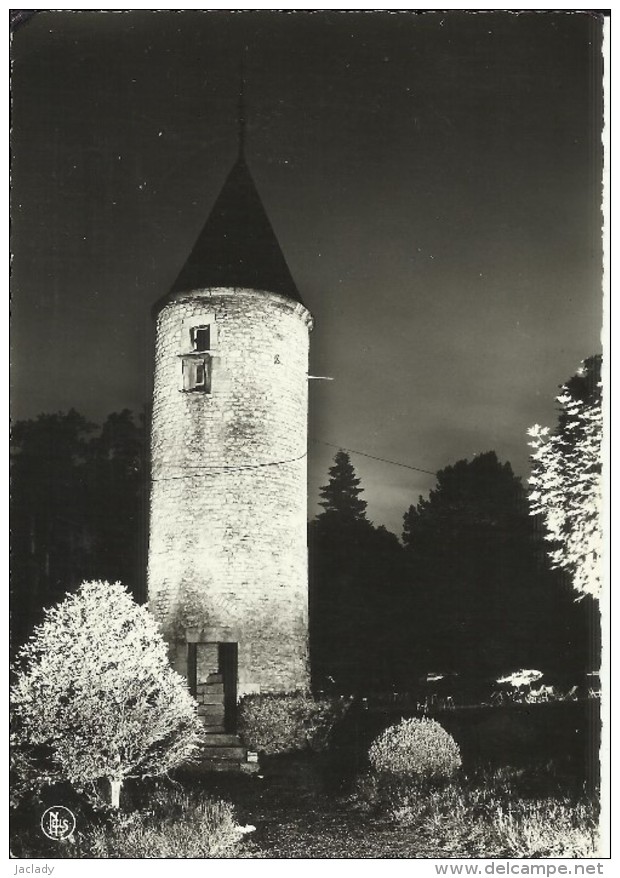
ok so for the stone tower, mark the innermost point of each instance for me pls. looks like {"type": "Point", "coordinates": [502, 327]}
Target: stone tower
{"type": "Point", "coordinates": [227, 566]}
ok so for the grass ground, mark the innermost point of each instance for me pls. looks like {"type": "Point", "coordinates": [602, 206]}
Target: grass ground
{"type": "Point", "coordinates": [298, 812]}
{"type": "Point", "coordinates": [330, 806]}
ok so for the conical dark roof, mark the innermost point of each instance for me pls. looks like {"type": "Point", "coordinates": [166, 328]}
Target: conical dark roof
{"type": "Point", "coordinates": [237, 246]}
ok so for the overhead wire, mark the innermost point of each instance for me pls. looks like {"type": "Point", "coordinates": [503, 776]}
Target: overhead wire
{"type": "Point", "coordinates": [214, 470]}
{"type": "Point", "coordinates": [374, 457]}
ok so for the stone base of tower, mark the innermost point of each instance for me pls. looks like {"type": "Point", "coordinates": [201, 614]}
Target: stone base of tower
{"type": "Point", "coordinates": [221, 671]}
{"type": "Point", "coordinates": [217, 679]}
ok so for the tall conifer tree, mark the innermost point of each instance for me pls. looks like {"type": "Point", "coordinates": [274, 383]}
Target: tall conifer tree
{"type": "Point", "coordinates": [341, 496]}
{"type": "Point", "coordinates": [567, 482]}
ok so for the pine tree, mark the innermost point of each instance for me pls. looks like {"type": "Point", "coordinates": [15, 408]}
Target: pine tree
{"type": "Point", "coordinates": [341, 497]}
{"type": "Point", "coordinates": [341, 590]}
{"type": "Point", "coordinates": [566, 479]}
{"type": "Point", "coordinates": [410, 520]}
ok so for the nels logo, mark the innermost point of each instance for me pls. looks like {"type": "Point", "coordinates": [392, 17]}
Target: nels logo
{"type": "Point", "coordinates": [58, 823]}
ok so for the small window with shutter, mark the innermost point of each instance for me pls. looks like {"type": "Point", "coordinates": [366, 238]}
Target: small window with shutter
{"type": "Point", "coordinates": [197, 374]}
{"type": "Point", "coordinates": [200, 338]}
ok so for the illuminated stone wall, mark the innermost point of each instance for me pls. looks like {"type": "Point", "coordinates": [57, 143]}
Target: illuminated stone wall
{"type": "Point", "coordinates": [228, 554]}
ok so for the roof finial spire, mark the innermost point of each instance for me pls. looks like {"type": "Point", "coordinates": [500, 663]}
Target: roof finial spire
{"type": "Point", "coordinates": [241, 104]}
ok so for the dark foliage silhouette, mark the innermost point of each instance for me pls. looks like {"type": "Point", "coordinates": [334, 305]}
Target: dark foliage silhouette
{"type": "Point", "coordinates": [118, 478]}
{"type": "Point", "coordinates": [482, 581]}
{"type": "Point", "coordinates": [78, 509]}
{"type": "Point", "coordinates": [355, 571]}
{"type": "Point", "coordinates": [469, 596]}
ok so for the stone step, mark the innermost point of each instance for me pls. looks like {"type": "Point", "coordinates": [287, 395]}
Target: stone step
{"type": "Point", "coordinates": [210, 698]}
{"type": "Point", "coordinates": [218, 739]}
{"type": "Point", "coordinates": [228, 765]}
{"type": "Point", "coordinates": [215, 678]}
{"type": "Point", "coordinates": [232, 753]}
{"type": "Point", "coordinates": [213, 712]}
{"type": "Point", "coordinates": [213, 728]}
{"type": "Point", "coordinates": [209, 689]}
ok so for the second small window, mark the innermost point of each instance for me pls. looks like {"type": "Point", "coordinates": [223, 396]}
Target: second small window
{"type": "Point", "coordinates": [197, 374]}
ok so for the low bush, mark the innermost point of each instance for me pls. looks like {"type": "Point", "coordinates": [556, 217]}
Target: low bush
{"type": "Point", "coordinates": [406, 799]}
{"type": "Point", "coordinates": [196, 828]}
{"type": "Point", "coordinates": [547, 828]}
{"type": "Point", "coordinates": [416, 747]}
{"type": "Point", "coordinates": [285, 722]}
{"type": "Point", "coordinates": [490, 814]}
{"type": "Point", "coordinates": [176, 824]}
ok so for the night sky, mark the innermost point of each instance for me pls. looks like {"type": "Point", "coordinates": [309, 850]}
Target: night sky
{"type": "Point", "coordinates": [434, 182]}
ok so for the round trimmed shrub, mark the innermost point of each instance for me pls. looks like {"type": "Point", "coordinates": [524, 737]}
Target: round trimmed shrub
{"type": "Point", "coordinates": [417, 746]}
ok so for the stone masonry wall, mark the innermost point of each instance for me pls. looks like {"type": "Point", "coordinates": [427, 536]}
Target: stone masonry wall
{"type": "Point", "coordinates": [227, 554]}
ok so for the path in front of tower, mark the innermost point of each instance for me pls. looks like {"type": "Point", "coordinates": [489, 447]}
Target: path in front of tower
{"type": "Point", "coordinates": [296, 817]}
{"type": "Point", "coordinates": [334, 833]}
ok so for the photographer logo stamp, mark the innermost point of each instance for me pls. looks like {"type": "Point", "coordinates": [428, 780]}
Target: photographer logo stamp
{"type": "Point", "coordinates": [58, 823]}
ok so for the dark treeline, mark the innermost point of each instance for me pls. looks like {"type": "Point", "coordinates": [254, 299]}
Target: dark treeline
{"type": "Point", "coordinates": [78, 509]}
{"type": "Point", "coordinates": [469, 589]}
{"type": "Point", "coordinates": [470, 592]}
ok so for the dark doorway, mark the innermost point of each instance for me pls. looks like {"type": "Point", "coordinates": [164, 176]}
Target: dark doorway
{"type": "Point", "coordinates": [192, 664]}
{"type": "Point", "coordinates": [227, 659]}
